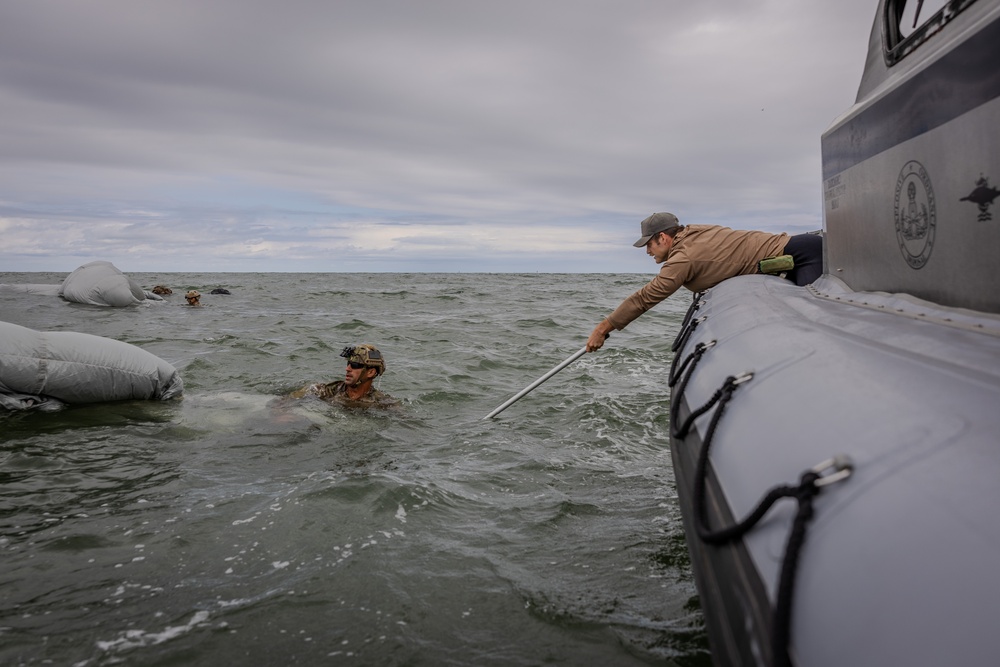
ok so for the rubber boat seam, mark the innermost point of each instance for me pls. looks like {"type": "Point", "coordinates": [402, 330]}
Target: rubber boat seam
{"type": "Point", "coordinates": [835, 330]}
{"type": "Point", "coordinates": [923, 316]}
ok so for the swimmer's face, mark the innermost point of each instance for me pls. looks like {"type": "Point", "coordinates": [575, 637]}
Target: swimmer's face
{"type": "Point", "coordinates": [357, 373]}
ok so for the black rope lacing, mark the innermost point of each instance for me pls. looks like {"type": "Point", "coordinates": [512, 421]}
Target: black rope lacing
{"type": "Point", "coordinates": [693, 359]}
{"type": "Point", "coordinates": [691, 363]}
{"type": "Point", "coordinates": [689, 324]}
{"type": "Point", "coordinates": [810, 484]}
{"type": "Point", "coordinates": [696, 303]}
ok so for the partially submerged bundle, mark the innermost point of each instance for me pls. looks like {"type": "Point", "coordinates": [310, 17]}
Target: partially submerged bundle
{"type": "Point", "coordinates": [100, 283]}
{"type": "Point", "coordinates": [45, 370]}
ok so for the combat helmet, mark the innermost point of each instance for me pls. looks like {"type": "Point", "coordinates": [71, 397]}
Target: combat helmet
{"type": "Point", "coordinates": [365, 354]}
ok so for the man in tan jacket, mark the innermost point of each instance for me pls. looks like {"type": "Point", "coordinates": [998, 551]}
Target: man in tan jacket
{"type": "Point", "coordinates": [701, 256]}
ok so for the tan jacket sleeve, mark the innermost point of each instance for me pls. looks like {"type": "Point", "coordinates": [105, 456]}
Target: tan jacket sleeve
{"type": "Point", "coordinates": [672, 276]}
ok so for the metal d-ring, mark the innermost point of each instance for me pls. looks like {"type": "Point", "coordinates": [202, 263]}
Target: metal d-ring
{"type": "Point", "coordinates": [841, 465]}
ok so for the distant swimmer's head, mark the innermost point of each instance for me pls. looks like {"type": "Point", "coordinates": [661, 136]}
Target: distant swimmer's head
{"type": "Point", "coordinates": [364, 356]}
{"type": "Point", "coordinates": [192, 297]}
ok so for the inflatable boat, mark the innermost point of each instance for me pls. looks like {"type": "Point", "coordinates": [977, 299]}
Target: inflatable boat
{"type": "Point", "coordinates": [47, 370]}
{"type": "Point", "coordinates": [836, 447]}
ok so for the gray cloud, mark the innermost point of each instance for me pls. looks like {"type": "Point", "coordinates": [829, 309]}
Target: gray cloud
{"type": "Point", "coordinates": [232, 135]}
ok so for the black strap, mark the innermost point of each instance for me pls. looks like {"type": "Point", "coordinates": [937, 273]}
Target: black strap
{"type": "Point", "coordinates": [692, 359]}
{"type": "Point", "coordinates": [803, 493]}
{"type": "Point", "coordinates": [689, 323]}
{"type": "Point", "coordinates": [723, 394]}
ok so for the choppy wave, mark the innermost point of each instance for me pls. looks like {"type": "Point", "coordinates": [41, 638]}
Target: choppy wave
{"type": "Point", "coordinates": [233, 525]}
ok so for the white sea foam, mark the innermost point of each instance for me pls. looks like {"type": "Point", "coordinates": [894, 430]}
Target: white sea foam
{"type": "Point", "coordinates": [131, 639]}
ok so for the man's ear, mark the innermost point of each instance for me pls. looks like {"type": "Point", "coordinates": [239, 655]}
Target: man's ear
{"type": "Point", "coordinates": [372, 373]}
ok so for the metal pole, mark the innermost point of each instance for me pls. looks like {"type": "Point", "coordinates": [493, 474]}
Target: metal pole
{"type": "Point", "coordinates": [576, 355]}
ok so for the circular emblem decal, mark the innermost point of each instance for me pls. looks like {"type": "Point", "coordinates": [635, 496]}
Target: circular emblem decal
{"type": "Point", "coordinates": [915, 214]}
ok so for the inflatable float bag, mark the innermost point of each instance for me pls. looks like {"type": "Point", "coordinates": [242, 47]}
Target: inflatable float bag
{"type": "Point", "coordinates": [100, 283]}
{"type": "Point", "coordinates": [78, 368]}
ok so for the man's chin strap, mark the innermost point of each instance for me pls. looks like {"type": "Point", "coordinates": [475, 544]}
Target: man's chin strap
{"type": "Point", "coordinates": [362, 379]}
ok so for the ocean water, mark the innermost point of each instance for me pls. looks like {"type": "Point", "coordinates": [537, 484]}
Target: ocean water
{"type": "Point", "coordinates": [230, 527]}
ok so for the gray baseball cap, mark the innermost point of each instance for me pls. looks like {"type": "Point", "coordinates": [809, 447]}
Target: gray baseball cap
{"type": "Point", "coordinates": [654, 224]}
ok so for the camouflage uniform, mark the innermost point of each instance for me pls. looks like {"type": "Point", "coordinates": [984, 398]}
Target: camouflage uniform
{"type": "Point", "coordinates": [336, 392]}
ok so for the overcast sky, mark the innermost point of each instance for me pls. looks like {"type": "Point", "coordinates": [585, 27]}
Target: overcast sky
{"type": "Point", "coordinates": [409, 135]}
